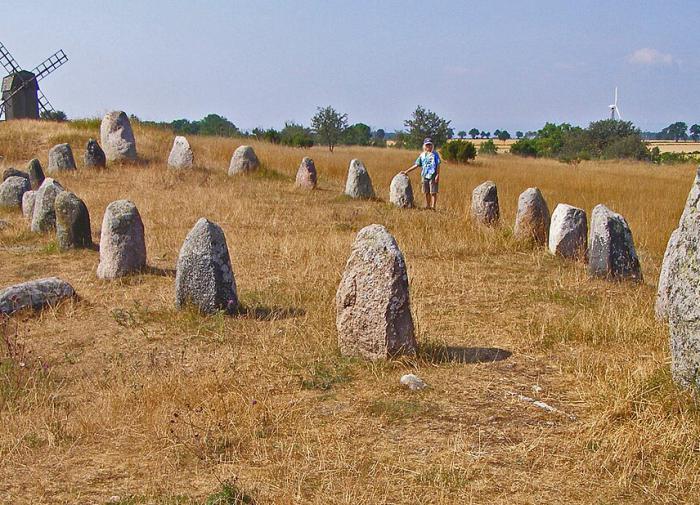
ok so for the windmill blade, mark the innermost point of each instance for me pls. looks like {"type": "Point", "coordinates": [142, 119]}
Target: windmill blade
{"type": "Point", "coordinates": [2, 109]}
{"type": "Point", "coordinates": [619, 114]}
{"type": "Point", "coordinates": [7, 61]}
{"type": "Point", "coordinates": [50, 64]}
{"type": "Point", "coordinates": [615, 102]}
{"type": "Point", "coordinates": [44, 104]}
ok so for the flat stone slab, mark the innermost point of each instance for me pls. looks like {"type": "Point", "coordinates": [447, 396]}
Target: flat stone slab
{"type": "Point", "coordinates": [34, 295]}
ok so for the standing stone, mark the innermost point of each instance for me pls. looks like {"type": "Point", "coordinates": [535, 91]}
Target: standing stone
{"type": "Point", "coordinates": [684, 294]}
{"type": "Point", "coordinates": [243, 161]}
{"type": "Point", "coordinates": [568, 232]}
{"type": "Point", "coordinates": [94, 155]}
{"type": "Point", "coordinates": [306, 175]}
{"type": "Point", "coordinates": [401, 191]}
{"type": "Point", "coordinates": [11, 191]}
{"type": "Point", "coordinates": [13, 172]}
{"type": "Point", "coordinates": [532, 220]}
{"type": "Point", "coordinates": [60, 158]}
{"type": "Point", "coordinates": [117, 137]}
{"type": "Point", "coordinates": [485, 204]}
{"type": "Point", "coordinates": [373, 313]}
{"type": "Point", "coordinates": [36, 174]}
{"type": "Point", "coordinates": [181, 155]}
{"type": "Point", "coordinates": [72, 222]}
{"type": "Point", "coordinates": [359, 183]}
{"type": "Point", "coordinates": [611, 252]}
{"type": "Point", "coordinates": [28, 199]}
{"type": "Point", "coordinates": [122, 241]}
{"type": "Point", "coordinates": [665, 276]}
{"type": "Point", "coordinates": [34, 295]}
{"type": "Point", "coordinates": [204, 274]}
{"type": "Point", "coordinates": [44, 215]}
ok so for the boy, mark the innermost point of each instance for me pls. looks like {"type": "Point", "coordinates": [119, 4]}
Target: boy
{"type": "Point", "coordinates": [429, 162]}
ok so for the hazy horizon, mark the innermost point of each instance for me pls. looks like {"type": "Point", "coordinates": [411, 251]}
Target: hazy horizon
{"type": "Point", "coordinates": [509, 66]}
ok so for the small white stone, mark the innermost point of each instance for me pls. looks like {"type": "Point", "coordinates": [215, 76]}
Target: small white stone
{"type": "Point", "coordinates": [413, 382]}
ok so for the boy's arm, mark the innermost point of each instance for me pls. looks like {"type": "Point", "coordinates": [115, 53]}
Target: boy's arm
{"type": "Point", "coordinates": [406, 172]}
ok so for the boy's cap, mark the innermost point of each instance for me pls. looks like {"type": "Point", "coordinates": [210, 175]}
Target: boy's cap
{"type": "Point", "coordinates": [427, 141]}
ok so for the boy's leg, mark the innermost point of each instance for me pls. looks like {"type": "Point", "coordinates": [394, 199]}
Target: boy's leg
{"type": "Point", "coordinates": [425, 187]}
{"type": "Point", "coordinates": [433, 197]}
{"type": "Point", "coordinates": [427, 200]}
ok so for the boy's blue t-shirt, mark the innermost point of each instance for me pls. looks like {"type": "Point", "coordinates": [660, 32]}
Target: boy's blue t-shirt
{"type": "Point", "coordinates": [429, 163]}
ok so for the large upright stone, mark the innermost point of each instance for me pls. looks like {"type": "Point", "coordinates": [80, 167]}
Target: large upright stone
{"type": "Point", "coordinates": [44, 214]}
{"type": "Point", "coordinates": [60, 158]}
{"type": "Point", "coordinates": [181, 156]}
{"type": "Point", "coordinates": [485, 208]}
{"type": "Point", "coordinates": [11, 191]}
{"type": "Point", "coordinates": [94, 156]}
{"type": "Point", "coordinates": [306, 175]}
{"type": "Point", "coordinates": [684, 294]}
{"type": "Point", "coordinates": [611, 252]}
{"type": "Point", "coordinates": [359, 183]}
{"type": "Point", "coordinates": [117, 137]}
{"type": "Point", "coordinates": [122, 241]}
{"type": "Point", "coordinates": [204, 275]}
{"type": "Point", "coordinates": [401, 191]}
{"type": "Point", "coordinates": [243, 161]}
{"type": "Point", "coordinates": [34, 295]}
{"type": "Point", "coordinates": [532, 220]}
{"type": "Point", "coordinates": [28, 200]}
{"type": "Point", "coordinates": [568, 232]}
{"type": "Point", "coordinates": [373, 313]}
{"type": "Point", "coordinates": [665, 276]}
{"type": "Point", "coordinates": [13, 172]}
{"type": "Point", "coordinates": [36, 174]}
{"type": "Point", "coordinates": [72, 222]}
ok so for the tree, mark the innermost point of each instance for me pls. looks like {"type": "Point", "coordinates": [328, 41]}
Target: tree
{"type": "Point", "coordinates": [53, 115]}
{"type": "Point", "coordinates": [488, 147]}
{"type": "Point", "coordinates": [379, 138]}
{"type": "Point", "coordinates": [524, 147]}
{"type": "Point", "coordinates": [213, 124]}
{"type": "Point", "coordinates": [357, 135]}
{"type": "Point", "coordinates": [474, 133]}
{"type": "Point", "coordinates": [425, 123]}
{"type": "Point", "coordinates": [496, 133]}
{"type": "Point", "coordinates": [503, 135]}
{"type": "Point", "coordinates": [485, 135]}
{"type": "Point", "coordinates": [329, 124]}
{"type": "Point", "coordinates": [459, 150]}
{"type": "Point", "coordinates": [676, 131]}
{"type": "Point", "coordinates": [295, 135]}
{"type": "Point", "coordinates": [695, 132]}
{"type": "Point", "coordinates": [185, 127]}
{"type": "Point", "coordinates": [461, 134]}
{"type": "Point", "coordinates": [519, 134]}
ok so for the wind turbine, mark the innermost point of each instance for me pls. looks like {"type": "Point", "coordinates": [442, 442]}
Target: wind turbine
{"type": "Point", "coordinates": [614, 109]}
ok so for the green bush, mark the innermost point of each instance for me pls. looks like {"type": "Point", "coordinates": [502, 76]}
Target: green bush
{"type": "Point", "coordinates": [459, 150]}
{"type": "Point", "coordinates": [295, 135]}
{"type": "Point", "coordinates": [488, 147]}
{"type": "Point", "coordinates": [524, 147]}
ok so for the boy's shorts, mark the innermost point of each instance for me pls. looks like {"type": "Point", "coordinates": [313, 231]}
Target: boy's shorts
{"type": "Point", "coordinates": [430, 186]}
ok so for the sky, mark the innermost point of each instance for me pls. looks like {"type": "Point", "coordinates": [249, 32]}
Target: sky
{"type": "Point", "coordinates": [491, 65]}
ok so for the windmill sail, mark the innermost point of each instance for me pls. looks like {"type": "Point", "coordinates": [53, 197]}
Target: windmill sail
{"type": "Point", "coordinates": [7, 61]}
{"type": "Point", "coordinates": [50, 64]}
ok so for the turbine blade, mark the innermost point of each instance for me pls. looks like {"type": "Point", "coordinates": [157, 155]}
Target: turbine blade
{"type": "Point", "coordinates": [619, 114]}
{"type": "Point", "coordinates": [615, 96]}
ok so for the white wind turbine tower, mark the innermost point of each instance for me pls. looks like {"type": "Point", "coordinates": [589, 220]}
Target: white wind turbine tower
{"type": "Point", "coordinates": [614, 109]}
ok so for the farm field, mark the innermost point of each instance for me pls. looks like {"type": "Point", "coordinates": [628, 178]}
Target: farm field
{"type": "Point", "coordinates": [117, 397]}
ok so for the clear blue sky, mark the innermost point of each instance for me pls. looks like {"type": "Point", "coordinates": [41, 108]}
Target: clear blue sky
{"type": "Point", "coordinates": [507, 64]}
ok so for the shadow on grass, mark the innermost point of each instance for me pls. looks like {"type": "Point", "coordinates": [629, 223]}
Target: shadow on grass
{"type": "Point", "coordinates": [264, 313]}
{"type": "Point", "coordinates": [437, 353]}
{"type": "Point", "coordinates": [163, 272]}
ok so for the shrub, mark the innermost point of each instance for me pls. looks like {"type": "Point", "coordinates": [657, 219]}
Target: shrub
{"type": "Point", "coordinates": [524, 147]}
{"type": "Point", "coordinates": [295, 135]}
{"type": "Point", "coordinates": [488, 147]}
{"type": "Point", "coordinates": [459, 150]}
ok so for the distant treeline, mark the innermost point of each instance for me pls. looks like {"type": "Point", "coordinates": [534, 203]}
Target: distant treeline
{"type": "Point", "coordinates": [676, 131]}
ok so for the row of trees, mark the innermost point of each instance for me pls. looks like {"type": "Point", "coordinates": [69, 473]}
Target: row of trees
{"type": "Point", "coordinates": [676, 131]}
{"type": "Point", "coordinates": [475, 133]}
{"type": "Point", "coordinates": [606, 139]}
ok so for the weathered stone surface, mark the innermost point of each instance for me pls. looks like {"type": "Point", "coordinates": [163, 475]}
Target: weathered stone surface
{"type": "Point", "coordinates": [568, 232]}
{"type": "Point", "coordinates": [684, 294]}
{"type": "Point", "coordinates": [122, 241]}
{"type": "Point", "coordinates": [34, 295]}
{"type": "Point", "coordinates": [373, 313]}
{"type": "Point", "coordinates": [359, 183]}
{"type": "Point", "coordinates": [532, 220]}
{"type": "Point", "coordinates": [117, 137]}
{"type": "Point", "coordinates": [181, 155]}
{"type": "Point", "coordinates": [611, 252]}
{"type": "Point", "coordinates": [306, 175]}
{"type": "Point", "coordinates": [36, 174]}
{"type": "Point", "coordinates": [401, 191]}
{"type": "Point", "coordinates": [11, 191]}
{"type": "Point", "coordinates": [665, 276]}
{"type": "Point", "coordinates": [485, 208]}
{"type": "Point", "coordinates": [13, 172]}
{"type": "Point", "coordinates": [28, 199]}
{"type": "Point", "coordinates": [204, 274]}
{"type": "Point", "coordinates": [72, 222]}
{"type": "Point", "coordinates": [44, 215]}
{"type": "Point", "coordinates": [60, 158]}
{"type": "Point", "coordinates": [243, 161]}
{"type": "Point", "coordinates": [412, 382]}
{"type": "Point", "coordinates": [94, 156]}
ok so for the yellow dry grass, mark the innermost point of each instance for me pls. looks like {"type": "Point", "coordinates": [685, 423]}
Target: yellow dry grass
{"type": "Point", "coordinates": [119, 394]}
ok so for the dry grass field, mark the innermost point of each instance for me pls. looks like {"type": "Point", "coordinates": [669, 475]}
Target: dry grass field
{"type": "Point", "coordinates": [117, 397]}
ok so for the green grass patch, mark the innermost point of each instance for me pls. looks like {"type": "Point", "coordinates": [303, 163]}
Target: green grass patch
{"type": "Point", "coordinates": [229, 494]}
{"type": "Point", "coordinates": [397, 409]}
